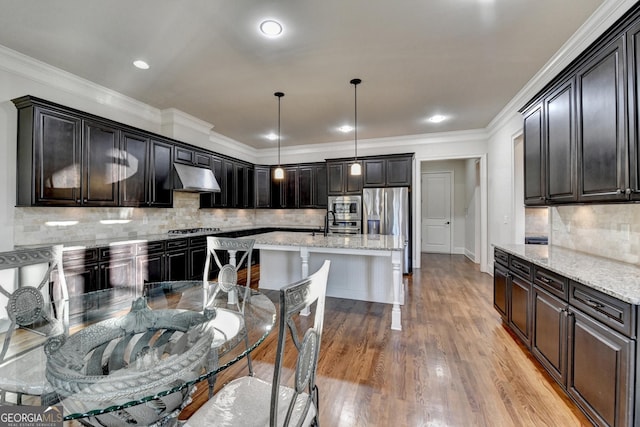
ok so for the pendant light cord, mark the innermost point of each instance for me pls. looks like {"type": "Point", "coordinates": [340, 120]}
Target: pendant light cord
{"type": "Point", "coordinates": [279, 95]}
{"type": "Point", "coordinates": [355, 83]}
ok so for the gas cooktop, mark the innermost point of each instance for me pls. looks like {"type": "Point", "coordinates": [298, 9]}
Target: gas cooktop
{"type": "Point", "coordinates": [194, 230]}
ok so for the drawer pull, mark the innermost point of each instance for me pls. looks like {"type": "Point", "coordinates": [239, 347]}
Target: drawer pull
{"type": "Point", "coordinates": [594, 304]}
{"type": "Point", "coordinates": [544, 279]}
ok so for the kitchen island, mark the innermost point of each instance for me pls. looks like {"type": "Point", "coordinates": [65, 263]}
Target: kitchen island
{"type": "Point", "coordinates": [363, 267]}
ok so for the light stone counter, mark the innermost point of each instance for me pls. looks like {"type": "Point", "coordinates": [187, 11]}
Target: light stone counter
{"type": "Point", "coordinates": [618, 279]}
{"type": "Point", "coordinates": [334, 241]}
{"type": "Point", "coordinates": [363, 267]}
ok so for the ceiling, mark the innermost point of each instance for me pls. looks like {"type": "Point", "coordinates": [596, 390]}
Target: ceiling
{"type": "Point", "coordinates": [464, 59]}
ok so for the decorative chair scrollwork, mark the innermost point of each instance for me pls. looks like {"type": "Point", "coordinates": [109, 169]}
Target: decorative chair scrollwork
{"type": "Point", "coordinates": [250, 401]}
{"type": "Point", "coordinates": [33, 283]}
{"type": "Point", "coordinates": [227, 256]}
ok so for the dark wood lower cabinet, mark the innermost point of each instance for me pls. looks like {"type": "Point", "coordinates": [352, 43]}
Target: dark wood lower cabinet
{"type": "Point", "coordinates": [589, 349]}
{"type": "Point", "coordinates": [519, 318]}
{"type": "Point", "coordinates": [549, 337]}
{"type": "Point", "coordinates": [600, 375]}
{"type": "Point", "coordinates": [500, 290]}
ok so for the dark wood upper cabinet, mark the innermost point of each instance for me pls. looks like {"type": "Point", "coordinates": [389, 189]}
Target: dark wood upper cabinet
{"type": "Point", "coordinates": [192, 157]}
{"type": "Point", "coordinates": [305, 186]}
{"type": "Point", "coordinates": [374, 171]}
{"type": "Point", "coordinates": [147, 179]}
{"type": "Point", "coordinates": [533, 157]}
{"type": "Point", "coordinates": [244, 186]}
{"type": "Point", "coordinates": [320, 186]}
{"type": "Point", "coordinates": [160, 174]}
{"type": "Point", "coordinates": [590, 124]}
{"type": "Point", "coordinates": [559, 145]}
{"type": "Point", "coordinates": [101, 157]}
{"type": "Point", "coordinates": [340, 181]}
{"type": "Point", "coordinates": [601, 114]}
{"type": "Point", "coordinates": [633, 69]}
{"type": "Point", "coordinates": [135, 165]}
{"type": "Point", "coordinates": [335, 178]}
{"type": "Point", "coordinates": [262, 187]}
{"type": "Point", "coordinates": [399, 171]}
{"type": "Point", "coordinates": [65, 159]}
{"type": "Point", "coordinates": [49, 156]}
{"type": "Point", "coordinates": [385, 171]}
{"type": "Point", "coordinates": [312, 185]}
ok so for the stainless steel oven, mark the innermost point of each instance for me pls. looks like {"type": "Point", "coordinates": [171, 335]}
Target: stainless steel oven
{"type": "Point", "coordinates": [348, 214]}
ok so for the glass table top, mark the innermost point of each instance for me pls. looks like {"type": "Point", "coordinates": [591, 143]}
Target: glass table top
{"type": "Point", "coordinates": [125, 354]}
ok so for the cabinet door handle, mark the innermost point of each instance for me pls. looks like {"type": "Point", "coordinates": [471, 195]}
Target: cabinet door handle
{"type": "Point", "coordinates": [628, 191]}
{"type": "Point", "coordinates": [618, 191]}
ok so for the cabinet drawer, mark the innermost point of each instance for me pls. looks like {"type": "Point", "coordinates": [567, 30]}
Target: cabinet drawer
{"type": "Point", "coordinates": [177, 244]}
{"type": "Point", "coordinates": [150, 247]}
{"type": "Point", "coordinates": [617, 314]}
{"type": "Point", "coordinates": [551, 282]}
{"type": "Point", "coordinates": [197, 242]}
{"type": "Point", "coordinates": [116, 251]}
{"type": "Point", "coordinates": [74, 256]}
{"type": "Point", "coordinates": [501, 257]}
{"type": "Point", "coordinates": [521, 268]}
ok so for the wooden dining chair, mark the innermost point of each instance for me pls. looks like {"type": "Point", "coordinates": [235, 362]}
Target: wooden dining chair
{"type": "Point", "coordinates": [33, 283]}
{"type": "Point", "coordinates": [226, 256]}
{"type": "Point", "coordinates": [250, 401]}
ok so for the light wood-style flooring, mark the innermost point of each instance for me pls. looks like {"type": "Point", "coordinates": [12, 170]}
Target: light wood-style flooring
{"type": "Point", "coordinates": [453, 364]}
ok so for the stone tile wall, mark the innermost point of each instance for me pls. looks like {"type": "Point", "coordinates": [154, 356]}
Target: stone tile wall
{"type": "Point", "coordinates": [40, 225]}
{"type": "Point", "coordinates": [611, 231]}
{"type": "Point", "coordinates": [536, 221]}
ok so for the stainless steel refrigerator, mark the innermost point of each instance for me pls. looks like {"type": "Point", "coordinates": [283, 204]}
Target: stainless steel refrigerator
{"type": "Point", "coordinates": [387, 211]}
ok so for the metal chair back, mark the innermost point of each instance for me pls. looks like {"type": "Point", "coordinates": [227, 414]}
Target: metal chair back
{"type": "Point", "coordinates": [37, 305]}
{"type": "Point", "coordinates": [293, 299]}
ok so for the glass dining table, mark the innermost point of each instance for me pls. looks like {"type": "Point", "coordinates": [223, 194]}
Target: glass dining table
{"type": "Point", "coordinates": [136, 361]}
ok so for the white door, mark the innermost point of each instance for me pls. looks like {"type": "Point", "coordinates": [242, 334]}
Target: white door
{"type": "Point", "coordinates": [436, 212]}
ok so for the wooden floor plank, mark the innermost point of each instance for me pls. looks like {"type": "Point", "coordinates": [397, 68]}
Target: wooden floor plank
{"type": "Point", "coordinates": [453, 364]}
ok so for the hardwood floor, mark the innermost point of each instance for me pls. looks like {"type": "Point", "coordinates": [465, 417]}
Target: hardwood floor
{"type": "Point", "coordinates": [453, 364]}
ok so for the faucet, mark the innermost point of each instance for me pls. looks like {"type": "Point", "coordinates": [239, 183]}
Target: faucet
{"type": "Point", "coordinates": [326, 222]}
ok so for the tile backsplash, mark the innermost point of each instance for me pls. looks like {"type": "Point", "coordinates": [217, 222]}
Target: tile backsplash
{"type": "Point", "coordinates": [536, 221]}
{"type": "Point", "coordinates": [610, 231]}
{"type": "Point", "coordinates": [47, 225]}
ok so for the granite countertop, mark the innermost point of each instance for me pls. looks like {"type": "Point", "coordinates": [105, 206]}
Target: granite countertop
{"type": "Point", "coordinates": [98, 243]}
{"type": "Point", "coordinates": [334, 241]}
{"type": "Point", "coordinates": [618, 279]}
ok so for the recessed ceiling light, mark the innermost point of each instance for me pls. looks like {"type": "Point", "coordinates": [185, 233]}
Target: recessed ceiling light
{"type": "Point", "coordinates": [139, 63]}
{"type": "Point", "coordinates": [271, 28]}
{"type": "Point", "coordinates": [271, 137]}
{"type": "Point", "coordinates": [437, 118]}
{"type": "Point", "coordinates": [345, 129]}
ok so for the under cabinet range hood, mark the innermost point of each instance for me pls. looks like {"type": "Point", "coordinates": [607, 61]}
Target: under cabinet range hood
{"type": "Point", "coordinates": [195, 180]}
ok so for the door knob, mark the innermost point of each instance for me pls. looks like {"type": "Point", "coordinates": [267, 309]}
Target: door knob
{"type": "Point", "coordinates": [448, 222]}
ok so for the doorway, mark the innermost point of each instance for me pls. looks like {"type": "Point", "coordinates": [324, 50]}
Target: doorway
{"type": "Point", "coordinates": [436, 208]}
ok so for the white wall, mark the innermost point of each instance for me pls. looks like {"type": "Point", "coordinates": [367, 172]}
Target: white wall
{"type": "Point", "coordinates": [472, 210]}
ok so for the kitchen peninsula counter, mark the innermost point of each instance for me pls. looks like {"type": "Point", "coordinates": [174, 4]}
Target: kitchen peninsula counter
{"type": "Point", "coordinates": [363, 267]}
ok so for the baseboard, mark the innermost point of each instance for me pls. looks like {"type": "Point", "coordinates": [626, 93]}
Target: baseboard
{"type": "Point", "coordinates": [470, 255]}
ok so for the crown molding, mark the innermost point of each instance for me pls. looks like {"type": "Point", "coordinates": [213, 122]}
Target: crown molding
{"type": "Point", "coordinates": [599, 22]}
{"type": "Point", "coordinates": [40, 72]}
{"type": "Point", "coordinates": [173, 116]}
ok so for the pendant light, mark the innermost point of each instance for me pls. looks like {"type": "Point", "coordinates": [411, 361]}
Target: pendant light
{"type": "Point", "coordinates": [356, 169]}
{"type": "Point", "coordinates": [278, 173]}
